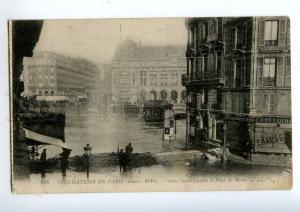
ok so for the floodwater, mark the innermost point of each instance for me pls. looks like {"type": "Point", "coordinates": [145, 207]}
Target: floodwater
{"type": "Point", "coordinates": [117, 131]}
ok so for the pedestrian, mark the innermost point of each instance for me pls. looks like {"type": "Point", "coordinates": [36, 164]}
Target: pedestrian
{"type": "Point", "coordinates": [128, 153]}
{"type": "Point", "coordinates": [43, 164]}
{"type": "Point", "coordinates": [64, 162]}
{"type": "Point", "coordinates": [43, 156]}
{"type": "Point", "coordinates": [129, 149]}
{"type": "Point", "coordinates": [122, 161]}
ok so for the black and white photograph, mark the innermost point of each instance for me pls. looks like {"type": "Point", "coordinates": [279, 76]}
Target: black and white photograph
{"type": "Point", "coordinates": [150, 104]}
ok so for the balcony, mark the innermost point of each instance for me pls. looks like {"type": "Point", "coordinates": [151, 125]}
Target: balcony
{"type": "Point", "coordinates": [214, 37]}
{"type": "Point", "coordinates": [191, 49]}
{"type": "Point", "coordinates": [198, 80]}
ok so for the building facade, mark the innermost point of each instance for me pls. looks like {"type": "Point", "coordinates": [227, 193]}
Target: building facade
{"type": "Point", "coordinates": [238, 84]}
{"type": "Point", "coordinates": [52, 74]}
{"type": "Point", "coordinates": [142, 73]}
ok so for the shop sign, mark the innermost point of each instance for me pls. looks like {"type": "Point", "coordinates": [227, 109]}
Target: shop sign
{"type": "Point", "coordinates": [264, 141]}
{"type": "Point", "coordinates": [273, 120]}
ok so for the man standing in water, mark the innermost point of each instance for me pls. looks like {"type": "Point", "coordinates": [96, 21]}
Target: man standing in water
{"type": "Point", "coordinates": [128, 153]}
{"type": "Point", "coordinates": [43, 160]}
{"type": "Point", "coordinates": [122, 161]}
{"type": "Point", "coordinates": [43, 155]}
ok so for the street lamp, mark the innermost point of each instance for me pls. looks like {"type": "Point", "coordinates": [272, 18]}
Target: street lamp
{"type": "Point", "coordinates": [87, 153]}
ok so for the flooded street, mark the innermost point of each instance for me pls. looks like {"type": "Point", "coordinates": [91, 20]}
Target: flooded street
{"type": "Point", "coordinates": [108, 135]}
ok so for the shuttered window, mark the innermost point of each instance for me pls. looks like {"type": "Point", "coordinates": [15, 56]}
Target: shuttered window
{"type": "Point", "coordinates": [280, 72]}
{"type": "Point", "coordinates": [282, 32]}
{"type": "Point", "coordinates": [261, 33]}
{"type": "Point", "coordinates": [271, 33]}
{"type": "Point", "coordinates": [288, 32]}
{"type": "Point", "coordinates": [244, 34]}
{"type": "Point", "coordinates": [238, 73]}
{"type": "Point", "coordinates": [287, 80]}
{"type": "Point", "coordinates": [259, 71]}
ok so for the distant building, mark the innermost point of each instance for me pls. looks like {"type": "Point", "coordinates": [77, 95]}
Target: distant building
{"type": "Point", "coordinates": [142, 73]}
{"type": "Point", "coordinates": [239, 84]}
{"type": "Point", "coordinates": [52, 74]}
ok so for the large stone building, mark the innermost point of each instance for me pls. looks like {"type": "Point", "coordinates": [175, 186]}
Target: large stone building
{"type": "Point", "coordinates": [52, 74]}
{"type": "Point", "coordinates": [239, 84]}
{"type": "Point", "coordinates": [142, 73]}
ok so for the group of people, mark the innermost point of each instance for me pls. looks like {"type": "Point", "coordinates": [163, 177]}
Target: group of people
{"type": "Point", "coordinates": [125, 158]}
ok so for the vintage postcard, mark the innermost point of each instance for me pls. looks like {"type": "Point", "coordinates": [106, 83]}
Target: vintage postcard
{"type": "Point", "coordinates": [160, 104]}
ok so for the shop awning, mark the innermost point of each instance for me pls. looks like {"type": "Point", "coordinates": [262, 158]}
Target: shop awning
{"type": "Point", "coordinates": [52, 98]}
{"type": "Point", "coordinates": [40, 139]}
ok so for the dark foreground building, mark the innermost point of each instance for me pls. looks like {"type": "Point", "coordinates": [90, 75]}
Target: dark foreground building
{"type": "Point", "coordinates": [238, 82]}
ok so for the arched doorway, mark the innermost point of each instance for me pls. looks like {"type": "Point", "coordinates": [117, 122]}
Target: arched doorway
{"type": "Point", "coordinates": [153, 95]}
{"type": "Point", "coordinates": [163, 95]}
{"type": "Point", "coordinates": [174, 96]}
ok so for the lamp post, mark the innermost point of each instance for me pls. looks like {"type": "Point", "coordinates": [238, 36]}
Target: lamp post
{"type": "Point", "coordinates": [87, 153]}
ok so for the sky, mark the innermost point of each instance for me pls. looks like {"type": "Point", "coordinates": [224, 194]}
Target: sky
{"type": "Point", "coordinates": [97, 39]}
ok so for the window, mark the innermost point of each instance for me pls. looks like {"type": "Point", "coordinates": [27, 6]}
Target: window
{"type": "Point", "coordinates": [153, 78]}
{"type": "Point", "coordinates": [244, 34]}
{"type": "Point", "coordinates": [52, 92]}
{"type": "Point", "coordinates": [271, 33]}
{"type": "Point", "coordinates": [202, 32]}
{"type": "Point", "coordinates": [164, 78]}
{"type": "Point", "coordinates": [46, 92]}
{"type": "Point", "coordinates": [174, 78]}
{"type": "Point", "coordinates": [195, 36]}
{"type": "Point", "coordinates": [142, 78]}
{"type": "Point", "coordinates": [212, 27]}
{"type": "Point", "coordinates": [269, 71]}
{"type": "Point", "coordinates": [205, 59]}
{"type": "Point", "coordinates": [269, 103]}
{"type": "Point", "coordinates": [238, 73]}
{"type": "Point", "coordinates": [124, 79]}
{"type": "Point", "coordinates": [233, 37]}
